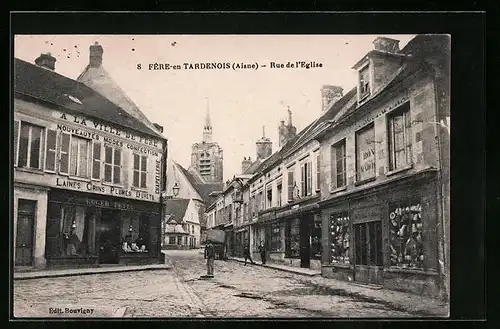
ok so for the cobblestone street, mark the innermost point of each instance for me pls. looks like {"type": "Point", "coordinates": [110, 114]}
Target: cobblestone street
{"type": "Point", "coordinates": [236, 291]}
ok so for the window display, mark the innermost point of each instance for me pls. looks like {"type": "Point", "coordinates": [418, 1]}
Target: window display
{"type": "Point", "coordinates": [293, 239]}
{"type": "Point", "coordinates": [136, 240]}
{"type": "Point", "coordinates": [406, 241]}
{"type": "Point", "coordinates": [316, 247]}
{"type": "Point", "coordinates": [339, 237]}
{"type": "Point", "coordinates": [276, 237]}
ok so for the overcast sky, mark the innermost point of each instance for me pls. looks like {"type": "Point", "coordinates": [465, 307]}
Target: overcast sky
{"type": "Point", "coordinates": [241, 102]}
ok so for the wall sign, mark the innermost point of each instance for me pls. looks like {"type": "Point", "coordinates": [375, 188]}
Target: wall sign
{"type": "Point", "coordinates": [365, 153]}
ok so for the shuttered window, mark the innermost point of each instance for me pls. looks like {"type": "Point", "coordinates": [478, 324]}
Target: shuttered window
{"type": "Point", "coordinates": [309, 178]}
{"type": "Point", "coordinates": [96, 160]}
{"type": "Point", "coordinates": [50, 150]}
{"type": "Point", "coordinates": [30, 146]}
{"type": "Point", "coordinates": [64, 154]}
{"type": "Point", "coordinates": [79, 157]}
{"type": "Point", "coordinates": [303, 180]}
{"type": "Point", "coordinates": [318, 172]}
{"type": "Point", "coordinates": [16, 140]}
{"type": "Point", "coordinates": [290, 185]}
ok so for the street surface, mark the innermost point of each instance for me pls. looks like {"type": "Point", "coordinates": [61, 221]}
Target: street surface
{"type": "Point", "coordinates": [235, 291]}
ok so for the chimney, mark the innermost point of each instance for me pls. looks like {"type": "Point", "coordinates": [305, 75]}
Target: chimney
{"type": "Point", "coordinates": [46, 61]}
{"type": "Point", "coordinates": [387, 45]}
{"type": "Point", "coordinates": [264, 146]}
{"type": "Point", "coordinates": [282, 133]}
{"type": "Point", "coordinates": [330, 95]}
{"type": "Point", "coordinates": [245, 164]}
{"type": "Point", "coordinates": [96, 51]}
{"type": "Point", "coordinates": [158, 127]}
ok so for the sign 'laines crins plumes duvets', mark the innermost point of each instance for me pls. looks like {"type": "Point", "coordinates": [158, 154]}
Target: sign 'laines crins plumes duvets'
{"type": "Point", "coordinates": [130, 143]}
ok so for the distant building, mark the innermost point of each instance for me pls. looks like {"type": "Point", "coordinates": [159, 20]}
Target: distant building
{"type": "Point", "coordinates": [207, 156]}
{"type": "Point", "coordinates": [182, 224]}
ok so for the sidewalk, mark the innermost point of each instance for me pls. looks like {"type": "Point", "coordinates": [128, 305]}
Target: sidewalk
{"type": "Point", "coordinates": [290, 269]}
{"type": "Point", "coordinates": [87, 271]}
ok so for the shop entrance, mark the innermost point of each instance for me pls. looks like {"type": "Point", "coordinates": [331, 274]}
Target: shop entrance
{"type": "Point", "coordinates": [368, 252]}
{"type": "Point", "coordinates": [24, 232]}
{"type": "Point", "coordinates": [109, 238]}
{"type": "Point", "coordinates": [306, 223]}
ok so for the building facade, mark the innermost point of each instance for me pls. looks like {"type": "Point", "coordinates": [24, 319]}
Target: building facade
{"type": "Point", "coordinates": [182, 225]}
{"type": "Point", "coordinates": [87, 175]}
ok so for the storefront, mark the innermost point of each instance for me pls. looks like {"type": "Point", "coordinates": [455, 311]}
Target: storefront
{"type": "Point", "coordinates": [241, 239]}
{"type": "Point", "coordinates": [385, 235]}
{"type": "Point", "coordinates": [87, 229]}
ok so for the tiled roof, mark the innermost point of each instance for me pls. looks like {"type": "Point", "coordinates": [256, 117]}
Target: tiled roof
{"type": "Point", "coordinates": [203, 189]}
{"type": "Point", "coordinates": [176, 208]}
{"type": "Point", "coordinates": [175, 228]}
{"type": "Point", "coordinates": [49, 86]}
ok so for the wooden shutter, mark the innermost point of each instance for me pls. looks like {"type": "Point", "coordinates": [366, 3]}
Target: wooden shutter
{"type": "Point", "coordinates": [290, 186]}
{"type": "Point", "coordinates": [96, 160]}
{"type": "Point", "coordinates": [50, 150]}
{"type": "Point", "coordinates": [318, 172]}
{"type": "Point", "coordinates": [303, 180]}
{"type": "Point", "coordinates": [16, 140]}
{"type": "Point", "coordinates": [64, 153]}
{"type": "Point", "coordinates": [309, 178]}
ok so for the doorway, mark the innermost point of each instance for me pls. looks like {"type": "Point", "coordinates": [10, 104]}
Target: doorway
{"type": "Point", "coordinates": [305, 241]}
{"type": "Point", "coordinates": [25, 232]}
{"type": "Point", "coordinates": [368, 262]}
{"type": "Point", "coordinates": [109, 238]}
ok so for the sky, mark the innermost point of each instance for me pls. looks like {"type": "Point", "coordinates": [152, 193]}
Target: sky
{"type": "Point", "coordinates": [240, 102]}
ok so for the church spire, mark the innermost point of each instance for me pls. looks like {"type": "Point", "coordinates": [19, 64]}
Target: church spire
{"type": "Point", "coordinates": [207, 127]}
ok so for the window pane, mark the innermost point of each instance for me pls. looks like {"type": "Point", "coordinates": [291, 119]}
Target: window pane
{"type": "Point", "coordinates": [108, 154]}
{"type": "Point", "coordinates": [96, 168]}
{"type": "Point", "coordinates": [83, 158]}
{"type": "Point", "coordinates": [50, 153]}
{"type": "Point", "coordinates": [64, 163]}
{"type": "Point", "coordinates": [36, 140]}
{"type": "Point", "coordinates": [143, 163]}
{"type": "Point", "coordinates": [107, 173]}
{"type": "Point", "coordinates": [23, 145]}
{"type": "Point", "coordinates": [116, 174]}
{"type": "Point", "coordinates": [97, 151]}
{"type": "Point", "coordinates": [136, 162]}
{"type": "Point", "coordinates": [117, 159]}
{"type": "Point", "coordinates": [136, 178]}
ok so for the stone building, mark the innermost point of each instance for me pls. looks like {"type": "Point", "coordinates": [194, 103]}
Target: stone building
{"type": "Point", "coordinates": [88, 175]}
{"type": "Point", "coordinates": [207, 156]}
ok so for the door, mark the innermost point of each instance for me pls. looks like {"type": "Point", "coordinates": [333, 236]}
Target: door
{"type": "Point", "coordinates": [25, 232]}
{"type": "Point", "coordinates": [109, 239]}
{"type": "Point", "coordinates": [305, 241]}
{"type": "Point", "coordinates": [368, 252]}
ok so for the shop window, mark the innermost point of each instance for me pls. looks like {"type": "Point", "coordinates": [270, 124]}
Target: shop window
{"type": "Point", "coordinates": [140, 172]}
{"type": "Point", "coordinates": [316, 247]}
{"type": "Point", "coordinates": [64, 154]}
{"type": "Point", "coordinates": [96, 160]}
{"type": "Point", "coordinates": [406, 241]}
{"type": "Point", "coordinates": [293, 239]}
{"type": "Point", "coordinates": [291, 185]}
{"type": "Point", "coordinates": [30, 146]}
{"type": "Point", "coordinates": [71, 230]}
{"type": "Point", "coordinates": [399, 128]}
{"type": "Point", "coordinates": [339, 238]}
{"type": "Point", "coordinates": [112, 165]}
{"type": "Point", "coordinates": [50, 150]}
{"type": "Point", "coordinates": [365, 153]}
{"type": "Point", "coordinates": [279, 189]}
{"type": "Point", "coordinates": [306, 182]}
{"type": "Point", "coordinates": [368, 243]}
{"type": "Point", "coordinates": [338, 165]}
{"type": "Point", "coordinates": [276, 231]}
{"type": "Point", "coordinates": [79, 157]}
{"type": "Point", "coordinates": [137, 236]}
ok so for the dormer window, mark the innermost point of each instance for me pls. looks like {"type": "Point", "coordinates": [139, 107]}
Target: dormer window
{"type": "Point", "coordinates": [364, 82]}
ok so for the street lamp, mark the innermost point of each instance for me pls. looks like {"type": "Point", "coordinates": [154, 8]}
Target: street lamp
{"type": "Point", "coordinates": [176, 189]}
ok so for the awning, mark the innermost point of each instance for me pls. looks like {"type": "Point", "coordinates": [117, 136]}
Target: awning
{"type": "Point", "coordinates": [298, 210]}
{"type": "Point", "coordinates": [228, 225]}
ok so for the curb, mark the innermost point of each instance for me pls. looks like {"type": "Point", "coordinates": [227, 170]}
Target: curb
{"type": "Point", "coordinates": [35, 275]}
{"type": "Point", "coordinates": [279, 269]}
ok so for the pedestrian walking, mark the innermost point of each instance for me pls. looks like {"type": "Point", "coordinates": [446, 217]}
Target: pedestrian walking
{"type": "Point", "coordinates": [262, 251]}
{"type": "Point", "coordinates": [246, 254]}
{"type": "Point", "coordinates": [210, 257]}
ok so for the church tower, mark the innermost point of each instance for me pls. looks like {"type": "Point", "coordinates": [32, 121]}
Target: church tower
{"type": "Point", "coordinates": [207, 156]}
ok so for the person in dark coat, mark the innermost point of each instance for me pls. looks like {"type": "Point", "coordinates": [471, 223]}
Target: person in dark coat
{"type": "Point", "coordinates": [210, 257]}
{"type": "Point", "coordinates": [246, 254]}
{"type": "Point", "coordinates": [262, 251]}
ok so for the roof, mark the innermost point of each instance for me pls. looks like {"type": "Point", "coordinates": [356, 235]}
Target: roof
{"type": "Point", "coordinates": [203, 189]}
{"type": "Point", "coordinates": [98, 79]}
{"type": "Point", "coordinates": [176, 208]}
{"type": "Point", "coordinates": [46, 85]}
{"type": "Point", "coordinates": [251, 169]}
{"type": "Point", "coordinates": [175, 228]}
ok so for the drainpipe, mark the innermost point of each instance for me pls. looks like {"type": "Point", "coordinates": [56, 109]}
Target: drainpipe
{"type": "Point", "coordinates": [163, 188]}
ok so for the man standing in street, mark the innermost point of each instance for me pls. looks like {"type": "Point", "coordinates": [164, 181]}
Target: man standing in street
{"type": "Point", "coordinates": [246, 254]}
{"type": "Point", "coordinates": [210, 257]}
{"type": "Point", "coordinates": [262, 251]}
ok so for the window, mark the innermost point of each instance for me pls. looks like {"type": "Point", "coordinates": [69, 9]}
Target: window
{"type": "Point", "coordinates": [399, 128]}
{"type": "Point", "coordinates": [30, 146]}
{"type": "Point", "coordinates": [140, 171]}
{"type": "Point", "coordinates": [338, 165]}
{"type": "Point", "coordinates": [406, 228]}
{"type": "Point", "coordinates": [306, 182]}
{"type": "Point", "coordinates": [365, 153]}
{"type": "Point", "coordinates": [279, 192]}
{"type": "Point", "coordinates": [364, 82]}
{"type": "Point", "coordinates": [50, 150]}
{"type": "Point", "coordinates": [112, 165]}
{"type": "Point", "coordinates": [269, 196]}
{"type": "Point", "coordinates": [276, 231]}
{"type": "Point", "coordinates": [252, 205]}
{"type": "Point", "coordinates": [368, 243]}
{"type": "Point", "coordinates": [96, 160]}
{"type": "Point", "coordinates": [318, 172]}
{"type": "Point", "coordinates": [79, 157]}
{"type": "Point", "coordinates": [171, 240]}
{"type": "Point", "coordinates": [64, 154]}
{"type": "Point", "coordinates": [179, 240]}
{"type": "Point", "coordinates": [339, 237]}
{"type": "Point", "coordinates": [291, 185]}
{"type": "Point", "coordinates": [262, 201]}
